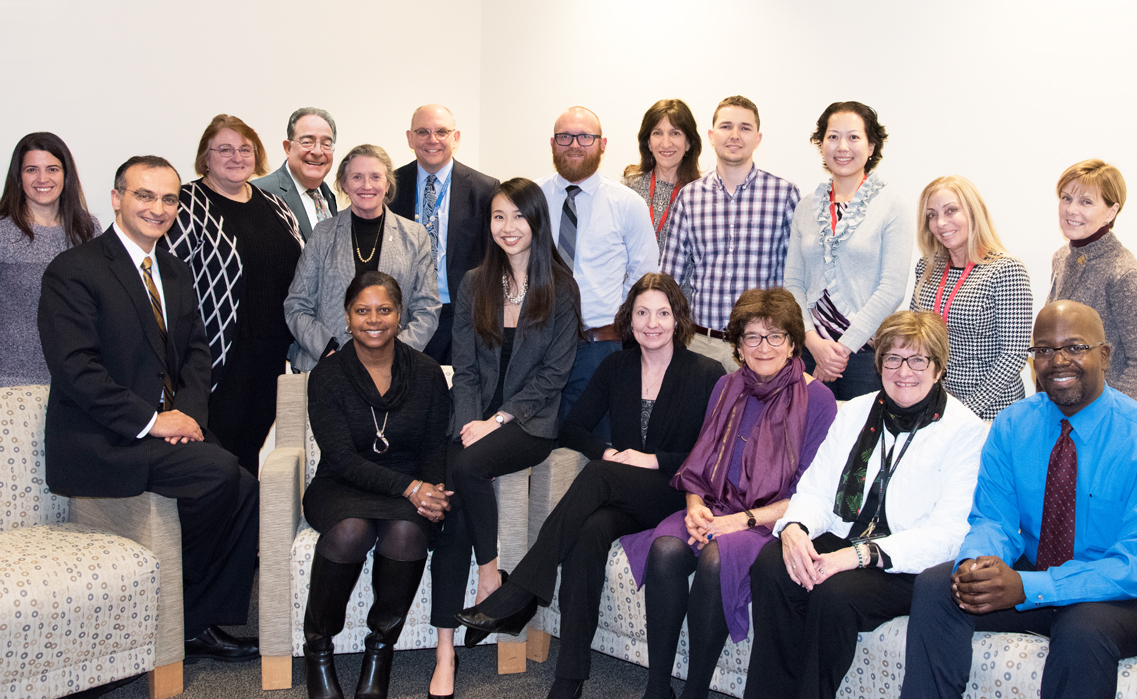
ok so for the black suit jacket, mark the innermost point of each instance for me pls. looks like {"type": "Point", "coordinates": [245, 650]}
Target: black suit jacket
{"type": "Point", "coordinates": [468, 230]}
{"type": "Point", "coordinates": [282, 185]}
{"type": "Point", "coordinates": [107, 364]}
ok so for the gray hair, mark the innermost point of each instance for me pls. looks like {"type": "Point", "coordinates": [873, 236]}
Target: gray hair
{"type": "Point", "coordinates": [309, 111]}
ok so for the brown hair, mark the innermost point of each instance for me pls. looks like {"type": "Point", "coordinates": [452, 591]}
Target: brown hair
{"type": "Point", "coordinates": [737, 101]}
{"type": "Point", "coordinates": [366, 150]}
{"type": "Point", "coordinates": [1097, 175]}
{"type": "Point", "coordinates": [225, 121]}
{"type": "Point", "coordinates": [73, 216]}
{"type": "Point", "coordinates": [680, 311]}
{"type": "Point", "coordinates": [679, 115]}
{"type": "Point", "coordinates": [922, 329]}
{"type": "Point", "coordinates": [776, 307]}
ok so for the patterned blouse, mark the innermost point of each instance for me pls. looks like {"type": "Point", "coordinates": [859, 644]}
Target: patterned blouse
{"type": "Point", "coordinates": [641, 184]}
{"type": "Point", "coordinates": [989, 326]}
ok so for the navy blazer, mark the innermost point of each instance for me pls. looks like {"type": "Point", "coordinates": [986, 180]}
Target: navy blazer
{"type": "Point", "coordinates": [108, 365]}
{"type": "Point", "coordinates": [468, 229]}
{"type": "Point", "coordinates": [282, 185]}
{"type": "Point", "coordinates": [538, 369]}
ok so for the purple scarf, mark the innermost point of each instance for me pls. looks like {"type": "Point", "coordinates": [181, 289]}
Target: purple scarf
{"type": "Point", "coordinates": [771, 456]}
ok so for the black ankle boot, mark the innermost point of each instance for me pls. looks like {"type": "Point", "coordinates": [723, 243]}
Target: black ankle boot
{"type": "Point", "coordinates": [394, 584]}
{"type": "Point", "coordinates": [329, 589]}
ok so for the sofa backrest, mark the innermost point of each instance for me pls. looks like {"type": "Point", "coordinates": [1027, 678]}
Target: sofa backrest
{"type": "Point", "coordinates": [25, 500]}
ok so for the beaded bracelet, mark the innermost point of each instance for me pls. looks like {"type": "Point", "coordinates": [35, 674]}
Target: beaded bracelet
{"type": "Point", "coordinates": [412, 493]}
{"type": "Point", "coordinates": [860, 558]}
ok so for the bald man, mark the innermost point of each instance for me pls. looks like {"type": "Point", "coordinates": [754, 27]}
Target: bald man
{"type": "Point", "coordinates": [602, 230]}
{"type": "Point", "coordinates": [1053, 542]}
{"type": "Point", "coordinates": [452, 201]}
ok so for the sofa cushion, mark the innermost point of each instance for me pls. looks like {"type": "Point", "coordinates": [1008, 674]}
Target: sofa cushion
{"type": "Point", "coordinates": [25, 500]}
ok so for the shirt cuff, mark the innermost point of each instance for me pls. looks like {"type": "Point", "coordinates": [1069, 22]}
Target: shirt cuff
{"type": "Point", "coordinates": [146, 430]}
{"type": "Point", "coordinates": [1039, 589]}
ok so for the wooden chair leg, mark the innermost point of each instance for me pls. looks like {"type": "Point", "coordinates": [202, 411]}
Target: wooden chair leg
{"type": "Point", "coordinates": [276, 672]}
{"type": "Point", "coordinates": [510, 657]}
{"type": "Point", "coordinates": [165, 681]}
{"type": "Point", "coordinates": [537, 645]}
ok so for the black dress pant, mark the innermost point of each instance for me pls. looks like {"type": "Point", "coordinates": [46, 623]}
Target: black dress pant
{"type": "Point", "coordinates": [219, 511]}
{"type": "Point", "coordinates": [439, 346]}
{"type": "Point", "coordinates": [606, 501]}
{"type": "Point", "coordinates": [1086, 641]}
{"type": "Point", "coordinates": [243, 407]}
{"type": "Point", "coordinates": [804, 641]}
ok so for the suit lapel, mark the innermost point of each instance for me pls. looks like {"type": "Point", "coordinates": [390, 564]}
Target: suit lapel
{"type": "Point", "coordinates": [123, 269]}
{"type": "Point", "coordinates": [459, 210]}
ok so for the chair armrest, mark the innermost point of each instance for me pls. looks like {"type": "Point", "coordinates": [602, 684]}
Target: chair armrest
{"type": "Point", "coordinates": [150, 520]}
{"type": "Point", "coordinates": [280, 517]}
{"type": "Point", "coordinates": [548, 483]}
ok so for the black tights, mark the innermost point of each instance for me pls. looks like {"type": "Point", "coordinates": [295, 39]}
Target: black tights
{"type": "Point", "coordinates": [351, 539]}
{"type": "Point", "coordinates": [669, 562]}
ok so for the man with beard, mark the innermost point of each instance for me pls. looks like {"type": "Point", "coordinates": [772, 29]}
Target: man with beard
{"type": "Point", "coordinates": [603, 232]}
{"type": "Point", "coordinates": [299, 182]}
{"type": "Point", "coordinates": [1052, 547]}
{"type": "Point", "coordinates": [730, 229]}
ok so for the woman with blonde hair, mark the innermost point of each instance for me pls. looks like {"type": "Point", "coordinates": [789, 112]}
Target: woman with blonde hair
{"type": "Point", "coordinates": [1095, 268]}
{"type": "Point", "coordinates": [983, 294]}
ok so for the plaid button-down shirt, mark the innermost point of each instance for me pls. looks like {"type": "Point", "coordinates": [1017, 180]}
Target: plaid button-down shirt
{"type": "Point", "coordinates": [722, 245]}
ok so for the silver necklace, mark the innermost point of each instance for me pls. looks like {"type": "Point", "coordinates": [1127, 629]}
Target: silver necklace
{"type": "Point", "coordinates": [379, 433]}
{"type": "Point", "coordinates": [515, 300]}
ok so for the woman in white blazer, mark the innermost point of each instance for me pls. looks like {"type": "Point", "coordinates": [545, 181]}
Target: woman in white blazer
{"type": "Point", "coordinates": [886, 497]}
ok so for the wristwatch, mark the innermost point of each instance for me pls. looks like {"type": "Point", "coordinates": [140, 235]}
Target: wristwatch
{"type": "Point", "coordinates": [750, 521]}
{"type": "Point", "coordinates": [499, 418]}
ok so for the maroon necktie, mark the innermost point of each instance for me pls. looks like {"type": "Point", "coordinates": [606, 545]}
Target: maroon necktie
{"type": "Point", "coordinates": [1056, 538]}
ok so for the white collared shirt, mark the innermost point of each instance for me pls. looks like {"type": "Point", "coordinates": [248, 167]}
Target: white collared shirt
{"type": "Point", "coordinates": [306, 198]}
{"type": "Point", "coordinates": [442, 208]}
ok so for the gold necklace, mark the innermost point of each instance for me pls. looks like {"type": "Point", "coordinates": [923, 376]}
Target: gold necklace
{"type": "Point", "coordinates": [358, 251]}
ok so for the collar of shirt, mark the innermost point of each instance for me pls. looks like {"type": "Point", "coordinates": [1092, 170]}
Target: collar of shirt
{"type": "Point", "coordinates": [137, 255]}
{"type": "Point", "coordinates": [442, 174]}
{"type": "Point", "coordinates": [589, 185]}
{"type": "Point", "coordinates": [305, 198]}
{"type": "Point", "coordinates": [1085, 422]}
{"type": "Point", "coordinates": [716, 180]}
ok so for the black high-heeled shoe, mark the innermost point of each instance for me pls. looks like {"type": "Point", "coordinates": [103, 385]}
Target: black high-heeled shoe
{"type": "Point", "coordinates": [475, 636]}
{"type": "Point", "coordinates": [479, 624]}
{"type": "Point", "coordinates": [430, 695]}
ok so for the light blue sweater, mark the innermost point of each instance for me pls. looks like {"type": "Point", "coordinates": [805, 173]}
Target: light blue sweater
{"type": "Point", "coordinates": [864, 266]}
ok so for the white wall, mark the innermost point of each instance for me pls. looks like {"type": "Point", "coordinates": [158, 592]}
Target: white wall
{"type": "Point", "coordinates": [1007, 93]}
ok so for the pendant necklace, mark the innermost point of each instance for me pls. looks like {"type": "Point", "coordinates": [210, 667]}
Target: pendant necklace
{"type": "Point", "coordinates": [379, 433]}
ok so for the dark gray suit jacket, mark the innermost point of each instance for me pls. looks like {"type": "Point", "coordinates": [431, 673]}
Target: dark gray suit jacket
{"type": "Point", "coordinates": [282, 185]}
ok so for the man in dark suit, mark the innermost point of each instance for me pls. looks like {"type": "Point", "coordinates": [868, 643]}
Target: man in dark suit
{"type": "Point", "coordinates": [299, 182]}
{"type": "Point", "coordinates": [130, 376]}
{"type": "Point", "coordinates": [452, 201]}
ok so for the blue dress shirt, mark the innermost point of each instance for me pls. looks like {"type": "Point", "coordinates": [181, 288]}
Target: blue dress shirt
{"type": "Point", "coordinates": [1006, 515]}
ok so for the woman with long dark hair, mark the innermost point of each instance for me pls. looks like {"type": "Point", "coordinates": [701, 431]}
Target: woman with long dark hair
{"type": "Point", "coordinates": [42, 213]}
{"type": "Point", "coordinates": [516, 327]}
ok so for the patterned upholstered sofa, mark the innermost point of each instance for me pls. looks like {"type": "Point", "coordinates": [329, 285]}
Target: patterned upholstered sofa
{"type": "Point", "coordinates": [80, 604]}
{"type": "Point", "coordinates": [1003, 664]}
{"type": "Point", "coordinates": [287, 543]}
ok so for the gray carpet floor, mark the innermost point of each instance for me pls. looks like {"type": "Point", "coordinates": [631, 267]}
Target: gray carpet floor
{"type": "Point", "coordinates": [410, 676]}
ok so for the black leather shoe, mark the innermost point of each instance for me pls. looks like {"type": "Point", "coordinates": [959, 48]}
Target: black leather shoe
{"type": "Point", "coordinates": [564, 688]}
{"type": "Point", "coordinates": [473, 618]}
{"type": "Point", "coordinates": [474, 636]}
{"type": "Point", "coordinates": [215, 644]}
{"type": "Point", "coordinates": [431, 695]}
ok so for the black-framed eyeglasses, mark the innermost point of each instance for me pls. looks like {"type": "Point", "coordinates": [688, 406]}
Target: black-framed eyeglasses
{"type": "Point", "coordinates": [584, 140]}
{"type": "Point", "coordinates": [916, 362]}
{"type": "Point", "coordinates": [755, 340]}
{"type": "Point", "coordinates": [439, 133]}
{"type": "Point", "coordinates": [1071, 351]}
{"type": "Point", "coordinates": [147, 197]}
{"type": "Point", "coordinates": [312, 144]}
{"type": "Point", "coordinates": [228, 151]}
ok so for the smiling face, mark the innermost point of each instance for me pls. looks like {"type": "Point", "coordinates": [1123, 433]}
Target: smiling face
{"type": "Point", "coordinates": [764, 360]}
{"type": "Point", "coordinates": [236, 169]}
{"type": "Point", "coordinates": [905, 386]}
{"type": "Point", "coordinates": [668, 144]}
{"type": "Point", "coordinates": [735, 135]}
{"type": "Point", "coordinates": [1082, 211]}
{"type": "Point", "coordinates": [310, 166]}
{"type": "Point", "coordinates": [509, 228]}
{"type": "Point", "coordinates": [372, 319]}
{"type": "Point", "coordinates": [845, 148]}
{"type": "Point", "coordinates": [145, 223]}
{"type": "Point", "coordinates": [431, 151]}
{"type": "Point", "coordinates": [42, 177]}
{"type": "Point", "coordinates": [949, 223]}
{"type": "Point", "coordinates": [653, 323]}
{"type": "Point", "coordinates": [574, 162]}
{"type": "Point", "coordinates": [365, 183]}
{"type": "Point", "coordinates": [1072, 383]}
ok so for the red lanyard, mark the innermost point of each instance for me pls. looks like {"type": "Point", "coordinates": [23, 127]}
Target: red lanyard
{"type": "Point", "coordinates": [954, 291]}
{"type": "Point", "coordinates": [833, 206]}
{"type": "Point", "coordinates": [651, 205]}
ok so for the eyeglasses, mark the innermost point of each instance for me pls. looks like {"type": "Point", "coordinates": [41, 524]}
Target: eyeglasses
{"type": "Point", "coordinates": [755, 340]}
{"type": "Point", "coordinates": [313, 144]}
{"type": "Point", "coordinates": [147, 197]}
{"type": "Point", "coordinates": [1071, 351]}
{"type": "Point", "coordinates": [583, 139]}
{"type": "Point", "coordinates": [440, 133]}
{"type": "Point", "coordinates": [228, 151]}
{"type": "Point", "coordinates": [916, 362]}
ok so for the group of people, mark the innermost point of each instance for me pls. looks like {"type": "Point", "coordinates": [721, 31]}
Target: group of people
{"type": "Point", "coordinates": [690, 334]}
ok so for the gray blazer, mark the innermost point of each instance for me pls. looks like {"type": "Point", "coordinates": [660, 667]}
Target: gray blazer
{"type": "Point", "coordinates": [314, 307]}
{"type": "Point", "coordinates": [282, 185]}
{"type": "Point", "coordinates": [538, 369]}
